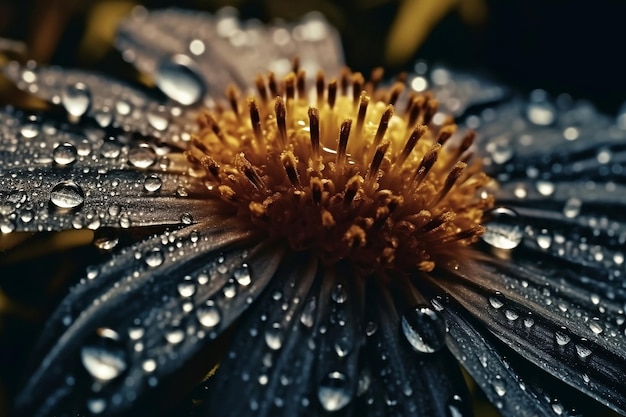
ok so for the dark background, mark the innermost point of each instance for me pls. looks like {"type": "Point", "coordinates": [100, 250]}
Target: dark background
{"type": "Point", "coordinates": [573, 46]}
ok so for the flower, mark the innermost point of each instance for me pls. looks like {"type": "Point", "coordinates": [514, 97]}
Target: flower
{"type": "Point", "coordinates": [359, 243]}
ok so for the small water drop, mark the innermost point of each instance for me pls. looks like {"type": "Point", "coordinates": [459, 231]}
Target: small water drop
{"type": "Point", "coordinates": [572, 207]}
{"type": "Point", "coordinates": [96, 405]}
{"type": "Point", "coordinates": [498, 387]}
{"type": "Point", "coordinates": [595, 327]}
{"type": "Point", "coordinates": [123, 107]}
{"type": "Point", "coordinates": [545, 188]}
{"type": "Point", "coordinates": [583, 352]}
{"type": "Point", "coordinates": [149, 365]}
{"type": "Point", "coordinates": [76, 99]}
{"type": "Point", "coordinates": [502, 228]}
{"type": "Point", "coordinates": [175, 336]}
{"type": "Point", "coordinates": [541, 113]}
{"type": "Point", "coordinates": [496, 302]}
{"type": "Point", "coordinates": [152, 183]}
{"type": "Point", "coordinates": [209, 315]}
{"type": "Point", "coordinates": [158, 120]}
{"type": "Point", "coordinates": [103, 357]}
{"type": "Point", "coordinates": [307, 318]}
{"type": "Point", "coordinates": [67, 195]}
{"type": "Point", "coordinates": [103, 117]}
{"type": "Point", "coordinates": [343, 346]}
{"type": "Point", "coordinates": [334, 392]}
{"type": "Point", "coordinates": [424, 329]}
{"type": "Point", "coordinates": [64, 154]}
{"type": "Point", "coordinates": [339, 294]}
{"type": "Point", "coordinates": [29, 130]}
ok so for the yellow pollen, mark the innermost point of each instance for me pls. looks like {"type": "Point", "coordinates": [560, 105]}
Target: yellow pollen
{"type": "Point", "coordinates": [341, 172]}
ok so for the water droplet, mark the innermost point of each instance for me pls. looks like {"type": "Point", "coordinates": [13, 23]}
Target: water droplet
{"type": "Point", "coordinates": [29, 130]}
{"type": "Point", "coordinates": [561, 338]}
{"type": "Point", "coordinates": [274, 337]}
{"type": "Point", "coordinates": [103, 357]}
{"type": "Point", "coordinates": [106, 239]}
{"type": "Point", "coordinates": [308, 313]}
{"type": "Point", "coordinates": [582, 351]}
{"type": "Point", "coordinates": [496, 302]}
{"type": "Point", "coordinates": [103, 117]}
{"type": "Point", "coordinates": [187, 288]}
{"type": "Point", "coordinates": [209, 315]}
{"type": "Point", "coordinates": [96, 405]}
{"type": "Point", "coordinates": [498, 387]}
{"type": "Point", "coordinates": [334, 391]}
{"type": "Point", "coordinates": [371, 328]}
{"type": "Point", "coordinates": [529, 322]}
{"type": "Point", "coordinates": [110, 148]}
{"type": "Point", "coordinates": [343, 346]}
{"type": "Point", "coordinates": [158, 120]}
{"type": "Point", "coordinates": [541, 113]}
{"type": "Point", "coordinates": [242, 275]}
{"type": "Point", "coordinates": [76, 99]}
{"type": "Point", "coordinates": [511, 315]}
{"type": "Point", "coordinates": [64, 154]}
{"type": "Point", "coordinates": [572, 207]}
{"type": "Point", "coordinates": [123, 107]}
{"type": "Point", "coordinates": [149, 365]}
{"type": "Point", "coordinates": [67, 195]}
{"type": "Point", "coordinates": [595, 327]}
{"type": "Point", "coordinates": [142, 156]}
{"type": "Point", "coordinates": [502, 228]}
{"type": "Point", "coordinates": [179, 80]}
{"type": "Point", "coordinates": [339, 294]}
{"type": "Point", "coordinates": [186, 218]}
{"type": "Point", "coordinates": [152, 183]}
{"type": "Point", "coordinates": [544, 240]}
{"type": "Point", "coordinates": [424, 329]}
{"type": "Point", "coordinates": [154, 258]}
{"type": "Point", "coordinates": [175, 336]}
{"type": "Point", "coordinates": [545, 188]}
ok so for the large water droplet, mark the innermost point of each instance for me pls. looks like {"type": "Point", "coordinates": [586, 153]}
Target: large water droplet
{"type": "Point", "coordinates": [142, 156]}
{"type": "Point", "coordinates": [187, 288]}
{"type": "Point", "coordinates": [209, 315]}
{"type": "Point", "coordinates": [179, 80]}
{"type": "Point", "coordinates": [67, 195]}
{"type": "Point", "coordinates": [64, 154]}
{"type": "Point", "coordinates": [76, 99]}
{"type": "Point", "coordinates": [152, 183]}
{"type": "Point", "coordinates": [103, 357]}
{"type": "Point", "coordinates": [424, 329]}
{"type": "Point", "coordinates": [502, 228]}
{"type": "Point", "coordinates": [30, 130]}
{"type": "Point", "coordinates": [242, 275]}
{"type": "Point", "coordinates": [153, 258]}
{"type": "Point", "coordinates": [334, 392]}
{"type": "Point", "coordinates": [158, 120]}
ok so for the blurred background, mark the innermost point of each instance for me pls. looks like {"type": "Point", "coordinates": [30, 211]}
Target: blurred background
{"type": "Point", "coordinates": [572, 46]}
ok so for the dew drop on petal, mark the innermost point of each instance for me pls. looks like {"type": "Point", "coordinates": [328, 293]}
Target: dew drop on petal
{"type": "Point", "coordinates": [29, 130]}
{"type": "Point", "coordinates": [334, 392]}
{"type": "Point", "coordinates": [142, 156]}
{"type": "Point", "coordinates": [174, 336]}
{"type": "Point", "coordinates": [339, 294]}
{"type": "Point", "coordinates": [154, 258]}
{"type": "Point", "coordinates": [424, 329]}
{"type": "Point", "coordinates": [502, 228]}
{"type": "Point", "coordinates": [561, 338]}
{"type": "Point", "coordinates": [76, 99]}
{"type": "Point", "coordinates": [307, 318]}
{"type": "Point", "coordinates": [96, 405]}
{"type": "Point", "coordinates": [67, 195]}
{"type": "Point", "coordinates": [572, 207]}
{"type": "Point", "coordinates": [158, 120]}
{"type": "Point", "coordinates": [274, 337]}
{"type": "Point", "coordinates": [152, 183]}
{"type": "Point", "coordinates": [177, 78]}
{"type": "Point", "coordinates": [187, 288]}
{"type": "Point", "coordinates": [242, 275]}
{"type": "Point", "coordinates": [209, 315]}
{"type": "Point", "coordinates": [64, 154]}
{"type": "Point", "coordinates": [541, 113]}
{"type": "Point", "coordinates": [103, 357]}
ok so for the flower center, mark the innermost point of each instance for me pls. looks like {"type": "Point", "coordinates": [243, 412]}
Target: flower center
{"type": "Point", "coordinates": [342, 172]}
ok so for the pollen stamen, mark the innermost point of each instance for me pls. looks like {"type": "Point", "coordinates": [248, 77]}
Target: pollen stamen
{"type": "Point", "coordinates": [385, 194]}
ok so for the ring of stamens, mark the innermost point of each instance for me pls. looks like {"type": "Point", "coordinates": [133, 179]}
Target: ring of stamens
{"type": "Point", "coordinates": [349, 177]}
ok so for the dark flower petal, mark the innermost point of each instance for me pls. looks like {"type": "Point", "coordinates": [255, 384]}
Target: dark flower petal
{"type": "Point", "coordinates": [527, 312]}
{"type": "Point", "coordinates": [57, 176]}
{"type": "Point", "coordinates": [298, 350]}
{"type": "Point", "coordinates": [140, 317]}
{"type": "Point", "coordinates": [109, 102]}
{"type": "Point", "coordinates": [511, 393]}
{"type": "Point", "coordinates": [201, 54]}
{"type": "Point", "coordinates": [402, 381]}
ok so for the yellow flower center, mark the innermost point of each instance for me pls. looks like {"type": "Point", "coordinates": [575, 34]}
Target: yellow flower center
{"type": "Point", "coordinates": [342, 172]}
